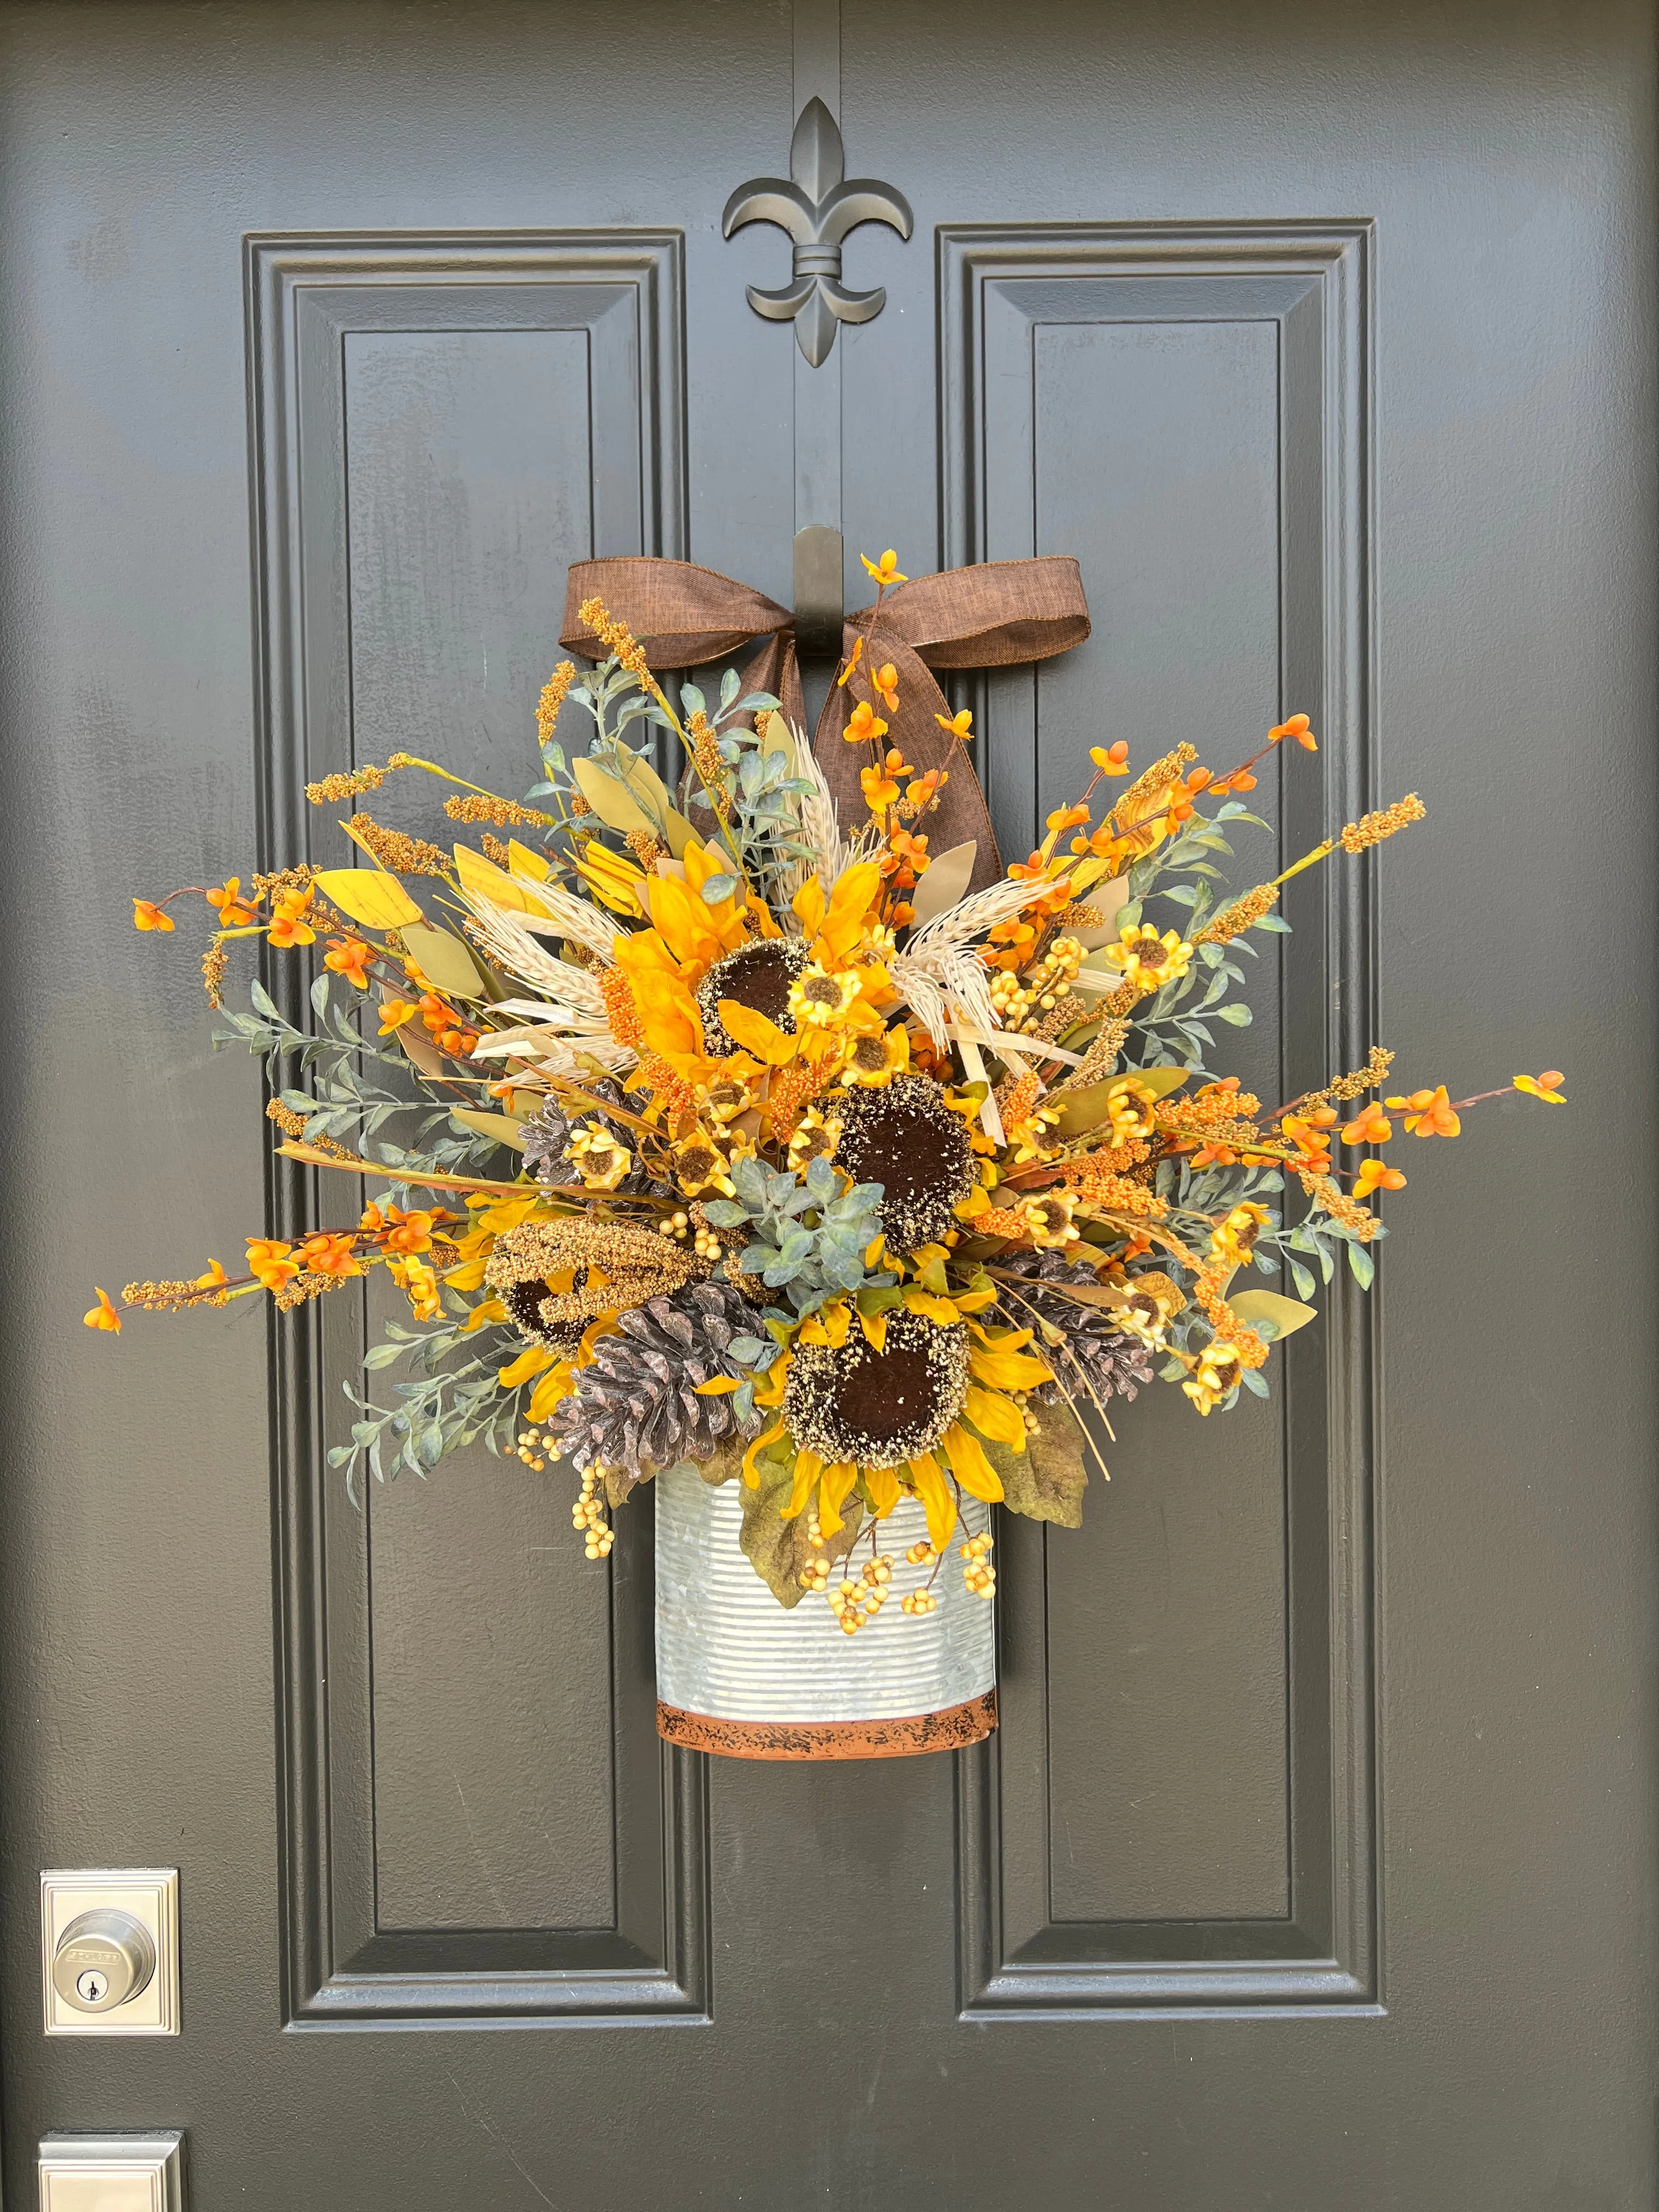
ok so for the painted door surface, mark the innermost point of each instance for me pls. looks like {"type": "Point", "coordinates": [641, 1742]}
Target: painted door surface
{"type": "Point", "coordinates": [1311, 1867]}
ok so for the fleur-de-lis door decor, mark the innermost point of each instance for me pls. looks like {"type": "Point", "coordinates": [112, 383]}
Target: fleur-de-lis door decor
{"type": "Point", "coordinates": [818, 205]}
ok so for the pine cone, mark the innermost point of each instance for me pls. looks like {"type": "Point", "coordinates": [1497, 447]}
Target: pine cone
{"type": "Point", "coordinates": [548, 1135]}
{"type": "Point", "coordinates": [1116, 1362]}
{"type": "Point", "coordinates": [635, 1409]}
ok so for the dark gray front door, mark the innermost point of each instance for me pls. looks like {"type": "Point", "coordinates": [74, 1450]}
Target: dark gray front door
{"type": "Point", "coordinates": [1312, 1866]}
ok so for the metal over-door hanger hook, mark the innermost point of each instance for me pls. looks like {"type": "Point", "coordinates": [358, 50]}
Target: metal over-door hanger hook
{"type": "Point", "coordinates": [817, 205]}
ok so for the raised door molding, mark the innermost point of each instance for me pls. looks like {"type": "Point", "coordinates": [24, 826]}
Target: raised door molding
{"type": "Point", "coordinates": [332, 584]}
{"type": "Point", "coordinates": [1296, 298]}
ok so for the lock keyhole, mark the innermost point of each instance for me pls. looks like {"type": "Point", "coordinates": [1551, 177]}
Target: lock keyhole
{"type": "Point", "coordinates": [103, 1960]}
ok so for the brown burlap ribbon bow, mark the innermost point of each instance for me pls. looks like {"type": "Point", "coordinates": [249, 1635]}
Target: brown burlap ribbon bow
{"type": "Point", "coordinates": [994, 616]}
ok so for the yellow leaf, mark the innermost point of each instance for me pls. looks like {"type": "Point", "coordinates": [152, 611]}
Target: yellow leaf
{"type": "Point", "coordinates": [970, 1467]}
{"type": "Point", "coordinates": [369, 895]}
{"type": "Point", "coordinates": [808, 906]}
{"type": "Point", "coordinates": [751, 1473]}
{"type": "Point", "coordinates": [507, 1212]}
{"type": "Point", "coordinates": [523, 862]}
{"type": "Point", "coordinates": [1095, 1294]}
{"type": "Point", "coordinates": [934, 1308]}
{"type": "Point", "coordinates": [1086, 873]}
{"type": "Point", "coordinates": [444, 961]}
{"type": "Point", "coordinates": [484, 879]}
{"type": "Point", "coordinates": [854, 895]}
{"type": "Point", "coordinates": [615, 883]}
{"type": "Point", "coordinates": [716, 1387]}
{"type": "Point", "coordinates": [875, 1331]}
{"type": "Point", "coordinates": [1287, 1315]}
{"type": "Point", "coordinates": [559, 1384]}
{"type": "Point", "coordinates": [808, 1467]}
{"type": "Point", "coordinates": [703, 864]}
{"type": "Point", "coordinates": [833, 1487]}
{"type": "Point", "coordinates": [744, 1026]}
{"type": "Point", "coordinates": [532, 1362]}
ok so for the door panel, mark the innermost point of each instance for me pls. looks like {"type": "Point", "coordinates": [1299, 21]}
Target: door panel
{"type": "Point", "coordinates": [1310, 1867]}
{"type": "Point", "coordinates": [1187, 1716]}
{"type": "Point", "coordinates": [478, 1817]}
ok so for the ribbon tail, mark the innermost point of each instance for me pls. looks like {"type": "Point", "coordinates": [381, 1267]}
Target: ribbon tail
{"type": "Point", "coordinates": [961, 814]}
{"type": "Point", "coordinates": [774, 669]}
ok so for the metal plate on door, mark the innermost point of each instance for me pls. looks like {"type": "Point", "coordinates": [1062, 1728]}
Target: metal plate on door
{"type": "Point", "coordinates": [112, 2173]}
{"type": "Point", "coordinates": [109, 1951]}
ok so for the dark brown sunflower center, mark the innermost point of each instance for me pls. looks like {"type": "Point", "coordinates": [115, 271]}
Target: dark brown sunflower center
{"type": "Point", "coordinates": [524, 1303]}
{"type": "Point", "coordinates": [853, 1404]}
{"type": "Point", "coordinates": [907, 1139]}
{"type": "Point", "coordinates": [887, 1394]}
{"type": "Point", "coordinates": [758, 976]}
{"type": "Point", "coordinates": [759, 979]}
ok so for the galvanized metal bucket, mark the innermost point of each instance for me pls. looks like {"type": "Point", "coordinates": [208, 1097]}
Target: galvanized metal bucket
{"type": "Point", "coordinates": [738, 1673]}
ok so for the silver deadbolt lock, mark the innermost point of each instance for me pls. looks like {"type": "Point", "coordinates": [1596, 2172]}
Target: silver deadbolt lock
{"type": "Point", "coordinates": [103, 1958]}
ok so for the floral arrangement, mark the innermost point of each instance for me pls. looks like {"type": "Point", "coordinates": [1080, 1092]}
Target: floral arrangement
{"type": "Point", "coordinates": [714, 1128]}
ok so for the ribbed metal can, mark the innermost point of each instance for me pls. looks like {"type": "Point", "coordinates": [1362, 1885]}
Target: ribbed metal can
{"type": "Point", "coordinates": [739, 1674]}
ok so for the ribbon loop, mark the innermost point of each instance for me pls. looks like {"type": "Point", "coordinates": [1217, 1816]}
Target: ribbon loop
{"type": "Point", "coordinates": [996, 615]}
{"type": "Point", "coordinates": [683, 615]}
{"type": "Point", "coordinates": [992, 616]}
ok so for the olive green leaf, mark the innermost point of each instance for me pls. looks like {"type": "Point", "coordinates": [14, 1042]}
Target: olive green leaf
{"type": "Point", "coordinates": [1082, 1110]}
{"type": "Point", "coordinates": [1284, 1315]}
{"type": "Point", "coordinates": [618, 803]}
{"type": "Point", "coordinates": [777, 1549]}
{"type": "Point", "coordinates": [443, 960]}
{"type": "Point", "coordinates": [1046, 1481]}
{"type": "Point", "coordinates": [502, 1127]}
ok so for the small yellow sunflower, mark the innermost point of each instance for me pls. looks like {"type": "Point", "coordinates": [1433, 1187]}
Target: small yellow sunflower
{"type": "Point", "coordinates": [1149, 959]}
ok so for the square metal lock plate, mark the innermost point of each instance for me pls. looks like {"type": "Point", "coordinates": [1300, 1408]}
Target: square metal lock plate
{"type": "Point", "coordinates": [72, 1900]}
{"type": "Point", "coordinates": [112, 2173]}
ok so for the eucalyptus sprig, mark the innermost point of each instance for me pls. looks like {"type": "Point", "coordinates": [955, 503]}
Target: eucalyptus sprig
{"type": "Point", "coordinates": [809, 1235]}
